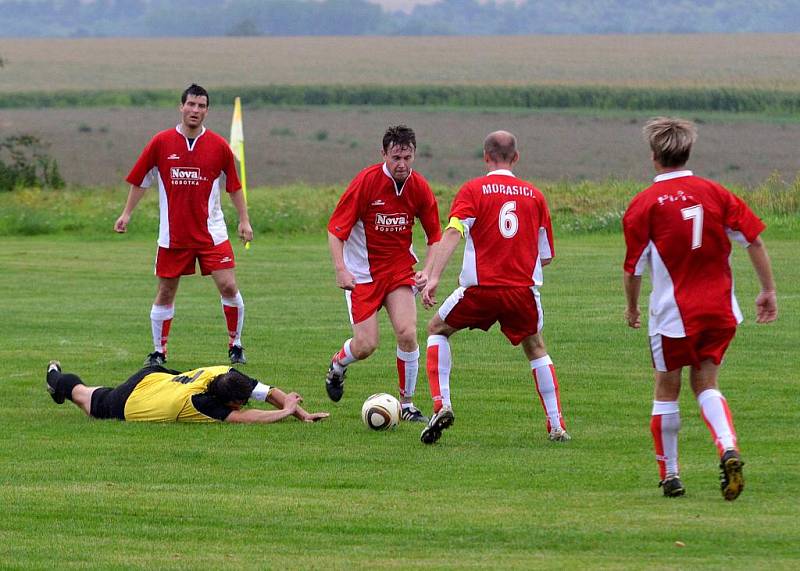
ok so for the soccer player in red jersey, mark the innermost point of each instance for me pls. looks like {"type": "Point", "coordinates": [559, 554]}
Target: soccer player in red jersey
{"type": "Point", "coordinates": [681, 228]}
{"type": "Point", "coordinates": [509, 238]}
{"type": "Point", "coordinates": [370, 235]}
{"type": "Point", "coordinates": [188, 163]}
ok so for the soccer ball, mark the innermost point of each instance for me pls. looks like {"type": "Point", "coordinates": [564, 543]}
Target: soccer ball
{"type": "Point", "coordinates": [381, 412]}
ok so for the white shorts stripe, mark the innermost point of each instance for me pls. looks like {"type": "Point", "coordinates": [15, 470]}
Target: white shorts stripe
{"type": "Point", "coordinates": [347, 295]}
{"type": "Point", "coordinates": [450, 303]}
{"type": "Point", "coordinates": [658, 353]}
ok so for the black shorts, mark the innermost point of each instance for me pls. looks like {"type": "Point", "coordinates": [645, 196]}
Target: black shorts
{"type": "Point", "coordinates": [110, 403]}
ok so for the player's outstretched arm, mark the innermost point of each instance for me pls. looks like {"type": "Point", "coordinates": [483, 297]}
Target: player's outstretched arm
{"type": "Point", "coordinates": [134, 196]}
{"type": "Point", "coordinates": [344, 279]}
{"type": "Point", "coordinates": [767, 300]}
{"type": "Point", "coordinates": [253, 416]}
{"type": "Point", "coordinates": [633, 285]}
{"type": "Point", "coordinates": [278, 398]}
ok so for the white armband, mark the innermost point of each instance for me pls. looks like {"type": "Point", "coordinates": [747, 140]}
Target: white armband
{"type": "Point", "coordinates": [261, 392]}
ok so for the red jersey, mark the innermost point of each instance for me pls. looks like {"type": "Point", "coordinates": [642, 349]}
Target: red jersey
{"type": "Point", "coordinates": [681, 228]}
{"type": "Point", "coordinates": [188, 176]}
{"type": "Point", "coordinates": [374, 218]}
{"type": "Point", "coordinates": [507, 229]}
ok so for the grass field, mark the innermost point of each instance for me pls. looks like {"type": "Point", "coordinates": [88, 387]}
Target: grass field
{"type": "Point", "coordinates": [697, 60]}
{"type": "Point", "coordinates": [492, 494]}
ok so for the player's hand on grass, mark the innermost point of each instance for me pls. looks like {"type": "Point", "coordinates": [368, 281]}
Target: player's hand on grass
{"type": "Point", "coordinates": [314, 416]}
{"type": "Point", "coordinates": [121, 225]}
{"type": "Point", "coordinates": [766, 307]}
{"type": "Point", "coordinates": [345, 279]}
{"type": "Point", "coordinates": [633, 317]}
{"type": "Point", "coordinates": [292, 401]}
{"type": "Point", "coordinates": [245, 232]}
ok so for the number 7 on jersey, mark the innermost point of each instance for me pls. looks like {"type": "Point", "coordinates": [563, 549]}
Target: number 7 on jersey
{"type": "Point", "coordinates": [695, 214]}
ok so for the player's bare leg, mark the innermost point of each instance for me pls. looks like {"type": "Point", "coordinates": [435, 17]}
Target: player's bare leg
{"type": "Point", "coordinates": [546, 381]}
{"type": "Point", "coordinates": [718, 418]}
{"type": "Point", "coordinates": [63, 386]}
{"type": "Point", "coordinates": [161, 314]}
{"type": "Point", "coordinates": [82, 397]}
{"type": "Point", "coordinates": [665, 423]}
{"type": "Point", "coordinates": [401, 307]}
{"type": "Point", "coordinates": [360, 346]}
{"type": "Point", "coordinates": [233, 311]}
{"type": "Point", "coordinates": [438, 365]}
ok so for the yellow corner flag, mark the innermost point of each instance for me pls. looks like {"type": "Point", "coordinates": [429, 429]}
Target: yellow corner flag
{"type": "Point", "coordinates": [237, 146]}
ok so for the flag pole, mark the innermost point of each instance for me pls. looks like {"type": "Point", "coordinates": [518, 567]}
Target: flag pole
{"type": "Point", "coordinates": [237, 146]}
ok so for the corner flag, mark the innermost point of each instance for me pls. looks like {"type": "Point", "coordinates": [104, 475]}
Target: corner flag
{"type": "Point", "coordinates": [237, 146]}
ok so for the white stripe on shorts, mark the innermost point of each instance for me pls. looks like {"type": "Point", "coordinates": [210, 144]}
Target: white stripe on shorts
{"type": "Point", "coordinates": [450, 303]}
{"type": "Point", "coordinates": [658, 353]}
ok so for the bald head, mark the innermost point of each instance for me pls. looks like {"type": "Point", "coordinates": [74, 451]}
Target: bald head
{"type": "Point", "coordinates": [500, 147]}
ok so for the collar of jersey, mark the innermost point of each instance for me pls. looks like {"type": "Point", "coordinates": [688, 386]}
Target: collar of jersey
{"type": "Point", "coordinates": [502, 172]}
{"type": "Point", "coordinates": [397, 191]}
{"type": "Point", "coordinates": [190, 146]}
{"type": "Point", "coordinates": [671, 175]}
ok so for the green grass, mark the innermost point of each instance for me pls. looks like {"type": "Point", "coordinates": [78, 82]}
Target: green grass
{"type": "Point", "coordinates": [577, 207]}
{"type": "Point", "coordinates": [493, 493]}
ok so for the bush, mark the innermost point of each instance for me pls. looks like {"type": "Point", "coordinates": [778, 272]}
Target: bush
{"type": "Point", "coordinates": [24, 163]}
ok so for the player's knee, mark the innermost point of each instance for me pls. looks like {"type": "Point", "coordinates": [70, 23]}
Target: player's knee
{"type": "Point", "coordinates": [363, 350]}
{"type": "Point", "coordinates": [228, 290]}
{"type": "Point", "coordinates": [436, 327]}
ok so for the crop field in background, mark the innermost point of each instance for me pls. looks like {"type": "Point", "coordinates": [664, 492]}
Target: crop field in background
{"type": "Point", "coordinates": [330, 145]}
{"type": "Point", "coordinates": [742, 60]}
{"type": "Point", "coordinates": [493, 493]}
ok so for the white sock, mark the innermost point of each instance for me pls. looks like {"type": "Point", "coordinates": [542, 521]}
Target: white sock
{"type": "Point", "coordinates": [407, 369]}
{"type": "Point", "coordinates": [665, 423]}
{"type": "Point", "coordinates": [717, 415]}
{"type": "Point", "coordinates": [160, 322]}
{"type": "Point", "coordinates": [438, 364]}
{"type": "Point", "coordinates": [344, 357]}
{"type": "Point", "coordinates": [233, 309]}
{"type": "Point", "coordinates": [544, 375]}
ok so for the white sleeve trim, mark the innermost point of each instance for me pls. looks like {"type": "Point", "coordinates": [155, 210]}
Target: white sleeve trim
{"type": "Point", "coordinates": [261, 392]}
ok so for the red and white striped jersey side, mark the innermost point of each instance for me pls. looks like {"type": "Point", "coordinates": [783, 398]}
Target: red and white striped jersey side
{"type": "Point", "coordinates": [507, 228]}
{"type": "Point", "coordinates": [681, 228]}
{"type": "Point", "coordinates": [188, 175]}
{"type": "Point", "coordinates": [375, 220]}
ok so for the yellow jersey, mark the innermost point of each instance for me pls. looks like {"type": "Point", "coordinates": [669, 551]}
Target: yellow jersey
{"type": "Point", "coordinates": [164, 397]}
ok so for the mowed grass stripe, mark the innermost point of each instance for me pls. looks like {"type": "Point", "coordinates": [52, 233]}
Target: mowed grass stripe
{"type": "Point", "coordinates": [492, 493]}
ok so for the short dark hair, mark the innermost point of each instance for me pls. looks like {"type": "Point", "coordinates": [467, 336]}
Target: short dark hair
{"type": "Point", "coordinates": [197, 91]}
{"type": "Point", "coordinates": [233, 386]}
{"type": "Point", "coordinates": [501, 146]}
{"type": "Point", "coordinates": [399, 135]}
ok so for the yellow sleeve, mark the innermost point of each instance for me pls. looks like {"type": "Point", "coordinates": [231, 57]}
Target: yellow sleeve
{"type": "Point", "coordinates": [456, 224]}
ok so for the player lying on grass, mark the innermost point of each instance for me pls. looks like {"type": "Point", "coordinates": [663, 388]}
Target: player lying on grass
{"type": "Point", "coordinates": [158, 394]}
{"type": "Point", "coordinates": [681, 228]}
{"type": "Point", "coordinates": [506, 224]}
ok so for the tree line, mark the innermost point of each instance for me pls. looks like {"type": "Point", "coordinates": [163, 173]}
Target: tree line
{"type": "Point", "coordinates": [158, 18]}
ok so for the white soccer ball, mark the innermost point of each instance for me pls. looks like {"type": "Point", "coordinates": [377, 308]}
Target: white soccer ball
{"type": "Point", "coordinates": [381, 412]}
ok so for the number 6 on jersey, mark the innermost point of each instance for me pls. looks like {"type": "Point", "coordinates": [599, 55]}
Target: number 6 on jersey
{"type": "Point", "coordinates": [508, 221]}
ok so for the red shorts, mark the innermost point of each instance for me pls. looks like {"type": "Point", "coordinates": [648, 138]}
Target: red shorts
{"type": "Point", "coordinates": [176, 262]}
{"type": "Point", "coordinates": [670, 353]}
{"type": "Point", "coordinates": [517, 309]}
{"type": "Point", "coordinates": [366, 299]}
